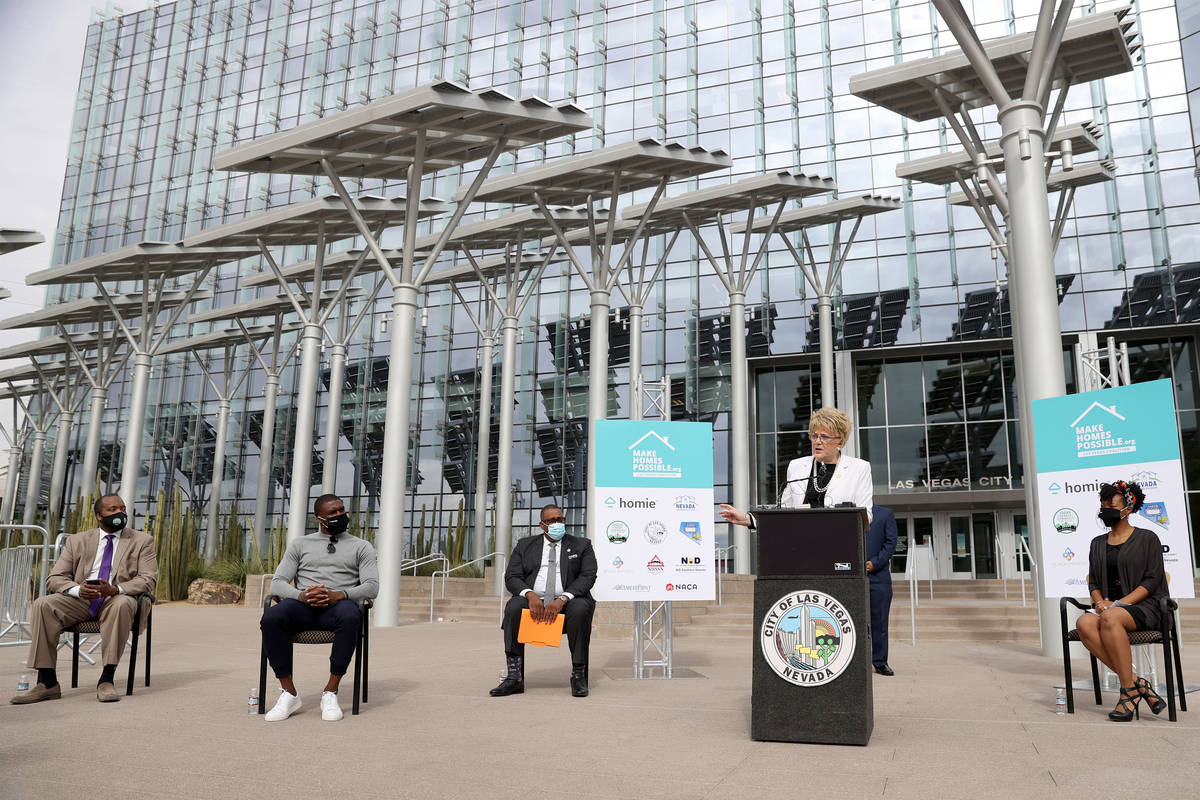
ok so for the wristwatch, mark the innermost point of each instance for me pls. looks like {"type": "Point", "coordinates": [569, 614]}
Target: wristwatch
{"type": "Point", "coordinates": [564, 598]}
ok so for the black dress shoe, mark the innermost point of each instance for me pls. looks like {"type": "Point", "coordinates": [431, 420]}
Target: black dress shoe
{"type": "Point", "coordinates": [884, 669]}
{"type": "Point", "coordinates": [508, 686]}
{"type": "Point", "coordinates": [579, 686]}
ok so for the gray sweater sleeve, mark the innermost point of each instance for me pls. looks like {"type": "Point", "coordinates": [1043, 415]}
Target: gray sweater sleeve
{"type": "Point", "coordinates": [368, 575]}
{"type": "Point", "coordinates": [285, 573]}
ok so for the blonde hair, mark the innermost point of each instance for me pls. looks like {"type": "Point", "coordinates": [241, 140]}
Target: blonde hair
{"type": "Point", "coordinates": [831, 419]}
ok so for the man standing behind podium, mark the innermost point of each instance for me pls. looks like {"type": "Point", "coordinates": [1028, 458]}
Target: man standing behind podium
{"type": "Point", "coordinates": [881, 543]}
{"type": "Point", "coordinates": [549, 574]}
{"type": "Point", "coordinates": [825, 479]}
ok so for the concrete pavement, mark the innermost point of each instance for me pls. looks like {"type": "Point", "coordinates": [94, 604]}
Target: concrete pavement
{"type": "Point", "coordinates": [960, 719]}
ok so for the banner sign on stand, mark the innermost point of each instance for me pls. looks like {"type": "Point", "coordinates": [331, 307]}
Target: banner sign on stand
{"type": "Point", "coordinates": [1085, 440]}
{"type": "Point", "coordinates": [654, 482]}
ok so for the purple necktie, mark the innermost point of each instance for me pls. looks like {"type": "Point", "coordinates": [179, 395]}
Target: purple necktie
{"type": "Point", "coordinates": [105, 571]}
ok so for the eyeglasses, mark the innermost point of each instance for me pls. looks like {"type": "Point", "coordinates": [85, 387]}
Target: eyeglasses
{"type": "Point", "coordinates": [329, 548]}
{"type": "Point", "coordinates": [820, 437]}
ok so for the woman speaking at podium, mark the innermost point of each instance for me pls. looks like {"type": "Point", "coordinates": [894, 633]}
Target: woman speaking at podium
{"type": "Point", "coordinates": [826, 478]}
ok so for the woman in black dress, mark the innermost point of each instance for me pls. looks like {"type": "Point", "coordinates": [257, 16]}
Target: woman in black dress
{"type": "Point", "coordinates": [1125, 578]}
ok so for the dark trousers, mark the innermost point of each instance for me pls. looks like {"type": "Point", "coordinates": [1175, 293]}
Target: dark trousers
{"type": "Point", "coordinates": [881, 607]}
{"type": "Point", "coordinates": [578, 627]}
{"type": "Point", "coordinates": [290, 616]}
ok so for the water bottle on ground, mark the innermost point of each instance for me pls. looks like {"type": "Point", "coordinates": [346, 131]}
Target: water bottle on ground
{"type": "Point", "coordinates": [1060, 702]}
{"type": "Point", "coordinates": [23, 683]}
{"type": "Point", "coordinates": [252, 701]}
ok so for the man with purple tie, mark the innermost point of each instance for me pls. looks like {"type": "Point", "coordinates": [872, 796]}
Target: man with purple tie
{"type": "Point", "coordinates": [98, 576]}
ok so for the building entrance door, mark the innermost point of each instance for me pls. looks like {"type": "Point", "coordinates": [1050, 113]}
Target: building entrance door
{"type": "Point", "coordinates": [914, 547]}
{"type": "Point", "coordinates": [958, 546]}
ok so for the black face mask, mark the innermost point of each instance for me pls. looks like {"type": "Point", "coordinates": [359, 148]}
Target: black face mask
{"type": "Point", "coordinates": [338, 524]}
{"type": "Point", "coordinates": [114, 522]}
{"type": "Point", "coordinates": [1109, 516]}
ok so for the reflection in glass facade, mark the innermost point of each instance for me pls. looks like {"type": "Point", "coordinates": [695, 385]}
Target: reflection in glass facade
{"type": "Point", "coordinates": [766, 80]}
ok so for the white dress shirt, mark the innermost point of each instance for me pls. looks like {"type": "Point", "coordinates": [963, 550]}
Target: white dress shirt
{"type": "Point", "coordinates": [95, 571]}
{"type": "Point", "coordinates": [539, 584]}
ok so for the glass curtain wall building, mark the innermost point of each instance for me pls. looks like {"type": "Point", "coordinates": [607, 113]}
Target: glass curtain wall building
{"type": "Point", "coordinates": [924, 348]}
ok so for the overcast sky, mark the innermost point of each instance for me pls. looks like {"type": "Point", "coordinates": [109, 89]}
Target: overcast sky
{"type": "Point", "coordinates": [41, 50]}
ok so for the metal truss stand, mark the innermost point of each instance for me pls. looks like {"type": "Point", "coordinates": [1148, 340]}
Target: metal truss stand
{"type": "Point", "coordinates": [654, 621]}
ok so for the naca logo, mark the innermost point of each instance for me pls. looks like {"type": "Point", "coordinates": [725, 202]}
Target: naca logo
{"type": "Point", "coordinates": [807, 637]}
{"type": "Point", "coordinates": [682, 587]}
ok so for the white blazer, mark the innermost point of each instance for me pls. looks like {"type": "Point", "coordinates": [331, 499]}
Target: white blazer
{"type": "Point", "coordinates": [851, 483]}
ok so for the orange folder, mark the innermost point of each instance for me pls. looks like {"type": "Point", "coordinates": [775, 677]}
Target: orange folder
{"type": "Point", "coordinates": [540, 634]}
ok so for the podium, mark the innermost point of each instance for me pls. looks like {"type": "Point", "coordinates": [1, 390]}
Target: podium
{"type": "Point", "coordinates": [812, 628]}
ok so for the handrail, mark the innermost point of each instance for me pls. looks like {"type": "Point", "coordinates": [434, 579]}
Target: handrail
{"type": "Point", "coordinates": [912, 607]}
{"type": "Point", "coordinates": [1032, 562]}
{"type": "Point", "coordinates": [445, 572]}
{"type": "Point", "coordinates": [722, 553]}
{"type": "Point", "coordinates": [420, 562]}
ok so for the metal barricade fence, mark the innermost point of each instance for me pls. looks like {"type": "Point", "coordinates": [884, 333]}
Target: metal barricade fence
{"type": "Point", "coordinates": [23, 569]}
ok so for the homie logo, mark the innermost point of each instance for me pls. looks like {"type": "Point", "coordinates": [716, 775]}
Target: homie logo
{"type": "Point", "coordinates": [646, 503]}
{"type": "Point", "coordinates": [682, 587]}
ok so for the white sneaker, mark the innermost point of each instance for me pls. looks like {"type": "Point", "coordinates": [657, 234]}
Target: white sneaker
{"type": "Point", "coordinates": [284, 707]}
{"type": "Point", "coordinates": [330, 710]}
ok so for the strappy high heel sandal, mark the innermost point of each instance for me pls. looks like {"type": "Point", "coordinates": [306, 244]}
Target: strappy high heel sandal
{"type": "Point", "coordinates": [1153, 699]}
{"type": "Point", "coordinates": [1130, 697]}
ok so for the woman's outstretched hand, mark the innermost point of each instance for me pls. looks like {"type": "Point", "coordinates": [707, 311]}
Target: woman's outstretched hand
{"type": "Point", "coordinates": [731, 514]}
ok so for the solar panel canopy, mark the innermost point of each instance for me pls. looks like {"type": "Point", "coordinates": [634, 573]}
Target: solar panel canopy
{"type": "Point", "coordinates": [382, 139]}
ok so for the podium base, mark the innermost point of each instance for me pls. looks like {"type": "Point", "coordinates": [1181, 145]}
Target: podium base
{"type": "Point", "coordinates": [811, 679]}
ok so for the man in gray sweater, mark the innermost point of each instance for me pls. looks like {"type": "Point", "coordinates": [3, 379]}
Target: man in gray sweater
{"type": "Point", "coordinates": [332, 573]}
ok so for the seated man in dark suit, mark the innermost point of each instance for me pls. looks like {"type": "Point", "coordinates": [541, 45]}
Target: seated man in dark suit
{"type": "Point", "coordinates": [551, 573]}
{"type": "Point", "coordinates": [99, 575]}
{"type": "Point", "coordinates": [881, 543]}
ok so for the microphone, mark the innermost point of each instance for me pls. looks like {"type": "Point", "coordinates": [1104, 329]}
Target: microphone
{"type": "Point", "coordinates": [786, 484]}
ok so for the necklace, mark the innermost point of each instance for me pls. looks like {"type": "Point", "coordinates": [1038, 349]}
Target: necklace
{"type": "Point", "coordinates": [817, 470]}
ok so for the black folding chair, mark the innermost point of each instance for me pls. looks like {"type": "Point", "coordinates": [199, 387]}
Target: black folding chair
{"type": "Point", "coordinates": [1167, 634]}
{"type": "Point", "coordinates": [317, 636]}
{"type": "Point", "coordinates": [92, 626]}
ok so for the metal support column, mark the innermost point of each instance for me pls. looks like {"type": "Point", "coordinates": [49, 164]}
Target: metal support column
{"type": "Point", "coordinates": [91, 449]}
{"type": "Point", "coordinates": [333, 424]}
{"type": "Point", "coordinates": [739, 425]}
{"type": "Point", "coordinates": [388, 541]}
{"type": "Point", "coordinates": [825, 321]}
{"type": "Point", "coordinates": [597, 391]}
{"type": "Point", "coordinates": [1033, 295]}
{"type": "Point", "coordinates": [33, 486]}
{"type": "Point", "coordinates": [58, 467]}
{"type": "Point", "coordinates": [131, 457]}
{"type": "Point", "coordinates": [266, 455]}
{"type": "Point", "coordinates": [304, 435]}
{"type": "Point", "coordinates": [218, 477]}
{"type": "Point", "coordinates": [504, 495]}
{"type": "Point", "coordinates": [483, 444]}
